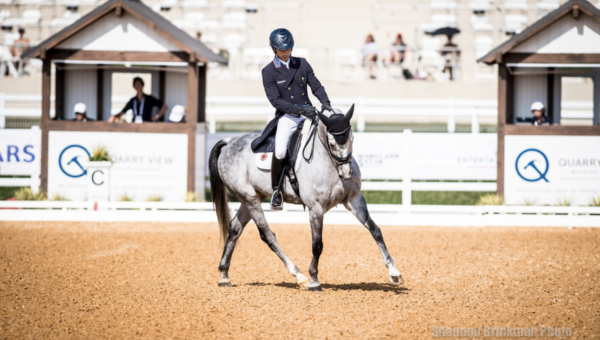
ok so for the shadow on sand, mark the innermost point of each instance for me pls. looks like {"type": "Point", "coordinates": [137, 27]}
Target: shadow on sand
{"type": "Point", "coordinates": [366, 286]}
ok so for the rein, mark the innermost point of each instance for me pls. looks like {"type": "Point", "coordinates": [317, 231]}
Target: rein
{"type": "Point", "coordinates": [311, 135]}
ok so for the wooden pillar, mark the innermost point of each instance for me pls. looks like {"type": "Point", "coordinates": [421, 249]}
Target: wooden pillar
{"type": "Point", "coordinates": [100, 95]}
{"type": "Point", "coordinates": [192, 116]}
{"type": "Point", "coordinates": [202, 94]}
{"type": "Point", "coordinates": [59, 93]}
{"type": "Point", "coordinates": [45, 118]}
{"type": "Point", "coordinates": [503, 102]}
{"type": "Point", "coordinates": [162, 90]}
{"type": "Point", "coordinates": [550, 96]}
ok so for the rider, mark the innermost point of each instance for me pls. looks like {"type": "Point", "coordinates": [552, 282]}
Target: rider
{"type": "Point", "coordinates": [285, 81]}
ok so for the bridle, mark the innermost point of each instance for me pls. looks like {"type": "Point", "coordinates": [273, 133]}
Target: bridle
{"type": "Point", "coordinates": [338, 161]}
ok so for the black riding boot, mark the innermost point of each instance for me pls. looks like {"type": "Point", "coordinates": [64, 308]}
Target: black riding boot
{"type": "Point", "coordinates": [276, 172]}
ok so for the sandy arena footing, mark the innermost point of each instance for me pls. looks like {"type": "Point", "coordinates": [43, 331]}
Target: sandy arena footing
{"type": "Point", "coordinates": [159, 280]}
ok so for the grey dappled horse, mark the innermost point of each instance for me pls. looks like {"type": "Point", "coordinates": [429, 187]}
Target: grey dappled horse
{"type": "Point", "coordinates": [331, 177]}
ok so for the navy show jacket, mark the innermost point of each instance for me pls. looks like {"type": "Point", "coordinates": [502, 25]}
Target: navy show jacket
{"type": "Point", "coordinates": [287, 90]}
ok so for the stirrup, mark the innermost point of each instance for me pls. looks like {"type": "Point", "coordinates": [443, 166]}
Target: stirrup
{"type": "Point", "coordinates": [279, 206]}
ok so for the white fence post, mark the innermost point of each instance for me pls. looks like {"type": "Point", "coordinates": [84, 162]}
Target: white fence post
{"type": "Point", "coordinates": [361, 115]}
{"type": "Point", "coordinates": [406, 179]}
{"type": "Point", "coordinates": [212, 126]}
{"type": "Point", "coordinates": [451, 122]}
{"type": "Point", "coordinates": [474, 123]}
{"type": "Point", "coordinates": [2, 106]}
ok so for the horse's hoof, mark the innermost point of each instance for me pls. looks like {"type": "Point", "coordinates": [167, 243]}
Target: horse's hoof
{"type": "Point", "coordinates": [224, 283]}
{"type": "Point", "coordinates": [397, 280]}
{"type": "Point", "coordinates": [315, 289]}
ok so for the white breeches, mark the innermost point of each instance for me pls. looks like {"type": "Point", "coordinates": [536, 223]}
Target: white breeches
{"type": "Point", "coordinates": [286, 126]}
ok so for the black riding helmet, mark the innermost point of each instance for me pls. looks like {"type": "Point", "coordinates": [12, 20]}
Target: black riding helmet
{"type": "Point", "coordinates": [281, 39]}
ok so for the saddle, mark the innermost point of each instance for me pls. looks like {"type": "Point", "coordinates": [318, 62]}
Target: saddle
{"type": "Point", "coordinates": [264, 154]}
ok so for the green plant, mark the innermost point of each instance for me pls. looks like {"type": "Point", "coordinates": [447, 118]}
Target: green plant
{"type": "Point", "coordinates": [595, 201]}
{"type": "Point", "coordinates": [191, 197]}
{"type": "Point", "coordinates": [59, 197]}
{"type": "Point", "coordinates": [124, 197]}
{"type": "Point", "coordinates": [530, 201]}
{"type": "Point", "coordinates": [491, 199]}
{"type": "Point", "coordinates": [154, 198]}
{"type": "Point", "coordinates": [26, 194]}
{"type": "Point", "coordinates": [563, 201]}
{"type": "Point", "coordinates": [100, 154]}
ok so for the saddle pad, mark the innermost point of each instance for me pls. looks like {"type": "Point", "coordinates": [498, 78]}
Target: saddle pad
{"type": "Point", "coordinates": [263, 159]}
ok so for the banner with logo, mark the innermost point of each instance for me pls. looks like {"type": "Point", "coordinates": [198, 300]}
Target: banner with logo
{"type": "Point", "coordinates": [145, 164]}
{"type": "Point", "coordinates": [432, 156]}
{"type": "Point", "coordinates": [551, 170]}
{"type": "Point", "coordinates": [19, 151]}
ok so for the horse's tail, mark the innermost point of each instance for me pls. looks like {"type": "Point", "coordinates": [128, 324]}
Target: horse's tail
{"type": "Point", "coordinates": [219, 191]}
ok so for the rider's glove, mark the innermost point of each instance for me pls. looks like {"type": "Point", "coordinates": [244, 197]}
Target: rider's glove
{"type": "Point", "coordinates": [309, 112]}
{"type": "Point", "coordinates": [326, 106]}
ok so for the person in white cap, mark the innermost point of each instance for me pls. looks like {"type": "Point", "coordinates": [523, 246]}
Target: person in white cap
{"type": "Point", "coordinates": [80, 113]}
{"type": "Point", "coordinates": [538, 109]}
{"type": "Point", "coordinates": [177, 114]}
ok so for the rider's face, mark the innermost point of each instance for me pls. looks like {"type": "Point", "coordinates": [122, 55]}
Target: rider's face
{"type": "Point", "coordinates": [284, 54]}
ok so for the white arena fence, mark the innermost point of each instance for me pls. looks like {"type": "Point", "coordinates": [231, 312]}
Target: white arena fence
{"type": "Point", "coordinates": [244, 108]}
{"type": "Point", "coordinates": [392, 215]}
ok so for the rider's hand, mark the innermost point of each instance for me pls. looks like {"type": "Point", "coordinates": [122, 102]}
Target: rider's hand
{"type": "Point", "coordinates": [111, 119]}
{"type": "Point", "coordinates": [326, 106]}
{"type": "Point", "coordinates": [308, 112]}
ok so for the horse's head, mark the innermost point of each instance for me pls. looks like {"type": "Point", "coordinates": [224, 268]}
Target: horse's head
{"type": "Point", "coordinates": [337, 135]}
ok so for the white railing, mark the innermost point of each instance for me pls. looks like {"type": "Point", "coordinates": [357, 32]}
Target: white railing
{"type": "Point", "coordinates": [251, 108]}
{"type": "Point", "coordinates": [383, 214]}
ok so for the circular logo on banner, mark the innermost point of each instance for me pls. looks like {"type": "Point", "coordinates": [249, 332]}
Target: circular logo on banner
{"type": "Point", "coordinates": [532, 165]}
{"type": "Point", "coordinates": [70, 159]}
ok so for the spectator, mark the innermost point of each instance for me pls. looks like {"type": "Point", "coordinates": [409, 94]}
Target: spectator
{"type": "Point", "coordinates": [81, 113]}
{"type": "Point", "coordinates": [20, 45]}
{"type": "Point", "coordinates": [370, 52]}
{"type": "Point", "coordinates": [199, 36]}
{"type": "Point", "coordinates": [451, 55]}
{"type": "Point", "coordinates": [539, 118]}
{"type": "Point", "coordinates": [178, 114]}
{"type": "Point", "coordinates": [142, 105]}
{"type": "Point", "coordinates": [398, 50]}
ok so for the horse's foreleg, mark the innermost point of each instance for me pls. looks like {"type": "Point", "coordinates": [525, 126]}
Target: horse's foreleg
{"type": "Point", "coordinates": [236, 227]}
{"type": "Point", "coordinates": [358, 206]}
{"type": "Point", "coordinates": [269, 238]}
{"type": "Point", "coordinates": [316, 227]}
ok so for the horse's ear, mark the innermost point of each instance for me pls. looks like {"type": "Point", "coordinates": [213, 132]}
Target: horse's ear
{"type": "Point", "coordinates": [349, 114]}
{"type": "Point", "coordinates": [324, 118]}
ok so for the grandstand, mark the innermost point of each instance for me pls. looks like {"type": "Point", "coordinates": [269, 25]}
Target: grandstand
{"type": "Point", "coordinates": [329, 34]}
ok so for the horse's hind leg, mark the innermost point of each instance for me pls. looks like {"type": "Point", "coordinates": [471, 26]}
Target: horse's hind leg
{"type": "Point", "coordinates": [269, 238]}
{"type": "Point", "coordinates": [236, 227]}
{"type": "Point", "coordinates": [358, 206]}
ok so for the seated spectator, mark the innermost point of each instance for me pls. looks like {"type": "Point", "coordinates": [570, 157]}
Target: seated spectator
{"type": "Point", "coordinates": [539, 118]}
{"type": "Point", "coordinates": [398, 51]}
{"type": "Point", "coordinates": [81, 113]}
{"type": "Point", "coordinates": [370, 52]}
{"type": "Point", "coordinates": [142, 105]}
{"type": "Point", "coordinates": [20, 45]}
{"type": "Point", "coordinates": [178, 114]}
